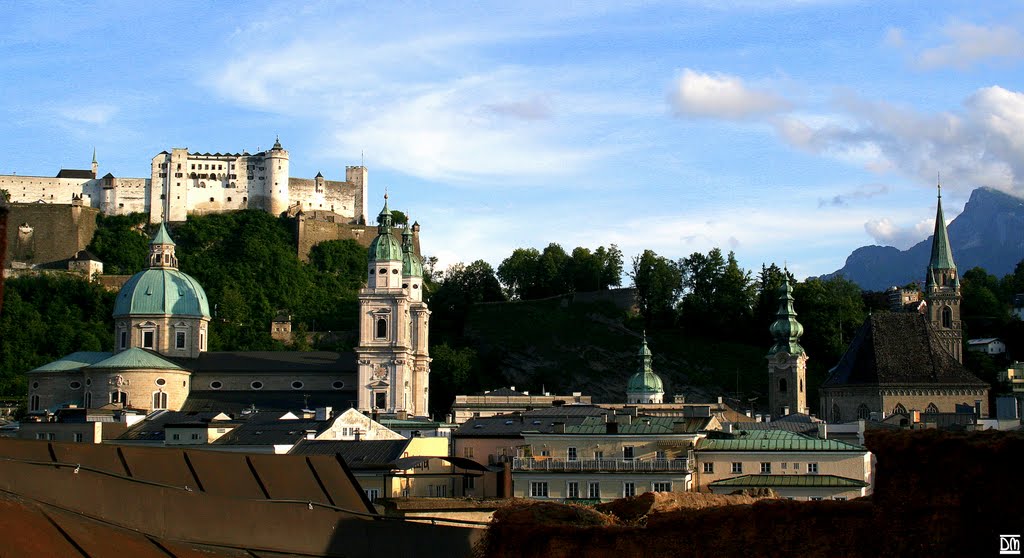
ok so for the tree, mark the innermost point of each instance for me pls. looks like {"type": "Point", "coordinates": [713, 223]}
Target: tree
{"type": "Point", "coordinates": [346, 259]}
{"type": "Point", "coordinates": [719, 294]}
{"type": "Point", "coordinates": [121, 243]}
{"type": "Point", "coordinates": [461, 287]}
{"type": "Point", "coordinates": [399, 217]}
{"type": "Point", "coordinates": [657, 281]}
{"type": "Point", "coordinates": [520, 272]}
{"type": "Point", "coordinates": [451, 373]}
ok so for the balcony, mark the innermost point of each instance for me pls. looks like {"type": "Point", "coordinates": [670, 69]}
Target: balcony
{"type": "Point", "coordinates": [604, 465]}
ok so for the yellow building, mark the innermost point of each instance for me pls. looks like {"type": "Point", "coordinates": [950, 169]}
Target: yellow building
{"type": "Point", "coordinates": [794, 465]}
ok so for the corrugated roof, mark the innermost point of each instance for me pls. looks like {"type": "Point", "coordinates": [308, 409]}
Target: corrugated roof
{"type": "Point", "coordinates": [642, 425]}
{"type": "Point", "coordinates": [538, 420]}
{"type": "Point", "coordinates": [278, 432]}
{"type": "Point", "coordinates": [773, 440]}
{"type": "Point", "coordinates": [789, 481]}
{"type": "Point", "coordinates": [74, 361]}
{"type": "Point", "coordinates": [135, 359]}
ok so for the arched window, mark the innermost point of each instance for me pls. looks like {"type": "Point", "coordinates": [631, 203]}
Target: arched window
{"type": "Point", "coordinates": [947, 317]}
{"type": "Point", "coordinates": [382, 328]}
{"type": "Point", "coordinates": [899, 409]}
{"type": "Point", "coordinates": [118, 396]}
{"type": "Point", "coordinates": [837, 416]}
{"type": "Point", "coordinates": [159, 400]}
{"type": "Point", "coordinates": [863, 412]}
{"type": "Point", "coordinates": [782, 385]}
{"type": "Point", "coordinates": [88, 400]}
{"type": "Point", "coordinates": [33, 403]}
{"type": "Point", "coordinates": [931, 408]}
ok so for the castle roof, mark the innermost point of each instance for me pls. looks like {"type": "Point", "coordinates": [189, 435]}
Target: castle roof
{"type": "Point", "coordinates": [162, 236]}
{"type": "Point", "coordinates": [897, 348]}
{"type": "Point", "coordinates": [75, 173]}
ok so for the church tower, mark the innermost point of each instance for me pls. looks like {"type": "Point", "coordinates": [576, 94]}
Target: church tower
{"type": "Point", "coordinates": [787, 360]}
{"type": "Point", "coordinates": [645, 386]}
{"type": "Point", "coordinates": [392, 354]}
{"type": "Point", "coordinates": [942, 290]}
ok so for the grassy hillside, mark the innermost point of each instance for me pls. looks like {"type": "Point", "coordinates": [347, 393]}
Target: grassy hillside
{"type": "Point", "coordinates": [564, 347]}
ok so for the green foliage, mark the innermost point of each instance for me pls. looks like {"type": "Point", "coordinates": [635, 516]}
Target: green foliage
{"type": "Point", "coordinates": [346, 259]}
{"type": "Point", "coordinates": [529, 274]}
{"type": "Point", "coordinates": [399, 217]}
{"type": "Point", "coordinates": [461, 287]}
{"type": "Point", "coordinates": [452, 372]}
{"type": "Point", "coordinates": [5, 195]}
{"type": "Point", "coordinates": [982, 311]}
{"type": "Point", "coordinates": [719, 295]}
{"type": "Point", "coordinates": [49, 316]}
{"type": "Point", "coordinates": [658, 282]}
{"type": "Point", "coordinates": [120, 243]}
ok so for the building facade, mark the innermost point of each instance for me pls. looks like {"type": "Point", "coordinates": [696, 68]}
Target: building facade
{"type": "Point", "coordinates": [182, 183]}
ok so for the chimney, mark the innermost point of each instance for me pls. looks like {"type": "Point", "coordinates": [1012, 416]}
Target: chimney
{"type": "Point", "coordinates": [311, 434]}
{"type": "Point", "coordinates": [757, 418]}
{"type": "Point", "coordinates": [823, 430]}
{"type": "Point", "coordinates": [559, 428]}
{"type": "Point", "coordinates": [323, 413]}
{"type": "Point", "coordinates": [720, 399]}
{"type": "Point", "coordinates": [679, 399]}
{"type": "Point", "coordinates": [747, 412]}
{"type": "Point", "coordinates": [728, 428]}
{"type": "Point", "coordinates": [512, 388]}
{"type": "Point", "coordinates": [402, 415]}
{"type": "Point", "coordinates": [785, 410]}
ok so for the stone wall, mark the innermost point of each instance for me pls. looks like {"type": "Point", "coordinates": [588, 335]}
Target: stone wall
{"type": "Point", "coordinates": [325, 195]}
{"type": "Point", "coordinates": [32, 189]}
{"type": "Point", "coordinates": [40, 233]}
{"type": "Point", "coordinates": [314, 227]}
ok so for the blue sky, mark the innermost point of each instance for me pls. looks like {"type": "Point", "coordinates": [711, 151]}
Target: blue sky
{"type": "Point", "coordinates": [785, 131]}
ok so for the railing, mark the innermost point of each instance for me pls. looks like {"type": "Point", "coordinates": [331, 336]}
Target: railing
{"type": "Point", "coordinates": [549, 464]}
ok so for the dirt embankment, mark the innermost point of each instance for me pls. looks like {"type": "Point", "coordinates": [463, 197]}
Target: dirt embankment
{"type": "Point", "coordinates": [936, 494]}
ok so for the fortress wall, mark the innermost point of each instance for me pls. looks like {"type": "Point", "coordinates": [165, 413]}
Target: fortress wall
{"type": "Point", "coordinates": [128, 196]}
{"type": "Point", "coordinates": [30, 189]}
{"type": "Point", "coordinates": [337, 197]}
{"type": "Point", "coordinates": [41, 233]}
{"type": "Point", "coordinates": [318, 226]}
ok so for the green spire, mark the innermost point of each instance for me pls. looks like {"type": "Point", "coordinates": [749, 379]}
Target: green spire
{"type": "Point", "coordinates": [411, 264]}
{"type": "Point", "coordinates": [942, 255]}
{"type": "Point", "coordinates": [162, 236]}
{"type": "Point", "coordinates": [786, 330]}
{"type": "Point", "coordinates": [385, 246]}
{"type": "Point", "coordinates": [384, 218]}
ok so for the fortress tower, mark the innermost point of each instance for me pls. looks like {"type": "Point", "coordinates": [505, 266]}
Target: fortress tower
{"type": "Point", "coordinates": [787, 360]}
{"type": "Point", "coordinates": [277, 179]}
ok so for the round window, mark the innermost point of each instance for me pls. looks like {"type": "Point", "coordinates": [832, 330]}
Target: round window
{"type": "Point", "coordinates": [338, 385]}
{"type": "Point", "coordinates": [296, 385]}
{"type": "Point", "coordinates": [76, 385]}
{"type": "Point", "coordinates": [405, 285]}
{"type": "Point", "coordinates": [160, 381]}
{"type": "Point", "coordinates": [88, 381]}
{"type": "Point", "coordinates": [382, 271]}
{"type": "Point", "coordinates": [415, 286]}
{"type": "Point", "coordinates": [35, 385]}
{"type": "Point", "coordinates": [216, 385]}
{"type": "Point", "coordinates": [395, 271]}
{"type": "Point", "coordinates": [256, 385]}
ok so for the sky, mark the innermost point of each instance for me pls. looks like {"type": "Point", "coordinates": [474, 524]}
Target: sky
{"type": "Point", "coordinates": [786, 131]}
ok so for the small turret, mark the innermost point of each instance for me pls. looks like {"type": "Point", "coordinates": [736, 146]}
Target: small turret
{"type": "Point", "coordinates": [786, 330]}
{"type": "Point", "coordinates": [645, 386]}
{"type": "Point", "coordinates": [161, 250]}
{"type": "Point", "coordinates": [95, 165]}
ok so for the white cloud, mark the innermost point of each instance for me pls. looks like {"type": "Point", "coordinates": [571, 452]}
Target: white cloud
{"type": "Point", "coordinates": [888, 233]}
{"type": "Point", "coordinates": [721, 96]}
{"type": "Point", "coordinates": [979, 145]}
{"type": "Point", "coordinates": [95, 114]}
{"type": "Point", "coordinates": [968, 44]}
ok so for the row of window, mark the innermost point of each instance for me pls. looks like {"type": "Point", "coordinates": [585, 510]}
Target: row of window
{"type": "Point", "coordinates": [766, 467]}
{"type": "Point", "coordinates": [149, 337]}
{"type": "Point", "coordinates": [217, 384]}
{"type": "Point", "coordinates": [864, 412]}
{"type": "Point", "coordinates": [539, 489]}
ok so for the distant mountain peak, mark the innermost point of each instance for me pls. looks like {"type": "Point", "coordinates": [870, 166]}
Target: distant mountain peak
{"type": "Point", "coordinates": [989, 233]}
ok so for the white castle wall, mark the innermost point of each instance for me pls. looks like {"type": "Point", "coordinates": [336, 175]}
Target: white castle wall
{"type": "Point", "coordinates": [183, 183]}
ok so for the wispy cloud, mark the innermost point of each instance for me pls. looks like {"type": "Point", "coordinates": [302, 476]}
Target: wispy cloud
{"type": "Point", "coordinates": [865, 192]}
{"type": "Point", "coordinates": [95, 114]}
{"type": "Point", "coordinates": [969, 44]}
{"type": "Point", "coordinates": [894, 38]}
{"type": "Point", "coordinates": [718, 95]}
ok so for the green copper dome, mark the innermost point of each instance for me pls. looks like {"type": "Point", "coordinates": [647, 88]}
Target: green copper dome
{"type": "Point", "coordinates": [385, 246]}
{"type": "Point", "coordinates": [645, 380]}
{"type": "Point", "coordinates": [786, 330]}
{"type": "Point", "coordinates": [162, 291]}
{"type": "Point", "coordinates": [411, 264]}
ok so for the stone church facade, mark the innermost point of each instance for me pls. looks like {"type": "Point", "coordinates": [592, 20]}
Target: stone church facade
{"type": "Point", "coordinates": [909, 360]}
{"type": "Point", "coordinates": [183, 183]}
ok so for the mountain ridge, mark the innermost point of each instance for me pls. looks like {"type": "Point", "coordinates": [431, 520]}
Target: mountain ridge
{"type": "Point", "coordinates": [989, 233]}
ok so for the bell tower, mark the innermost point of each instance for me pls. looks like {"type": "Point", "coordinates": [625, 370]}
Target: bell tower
{"type": "Point", "coordinates": [392, 354]}
{"type": "Point", "coordinates": [787, 360]}
{"type": "Point", "coordinates": [942, 290]}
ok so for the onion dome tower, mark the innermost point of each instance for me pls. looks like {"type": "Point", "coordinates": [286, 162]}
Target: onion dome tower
{"type": "Point", "coordinates": [645, 386]}
{"type": "Point", "coordinates": [160, 308]}
{"type": "Point", "coordinates": [392, 354]}
{"type": "Point", "coordinates": [787, 360]}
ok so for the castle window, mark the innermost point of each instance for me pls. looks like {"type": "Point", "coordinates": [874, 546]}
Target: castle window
{"type": "Point", "coordinates": [380, 400]}
{"type": "Point", "coordinates": [216, 385]}
{"type": "Point", "coordinates": [947, 317]}
{"type": "Point", "coordinates": [338, 384]}
{"type": "Point", "coordinates": [211, 199]}
{"type": "Point", "coordinates": [297, 385]}
{"type": "Point", "coordinates": [229, 199]}
{"type": "Point", "coordinates": [899, 409]}
{"type": "Point", "coordinates": [382, 271]}
{"type": "Point", "coordinates": [76, 385]}
{"type": "Point", "coordinates": [118, 396]}
{"type": "Point", "coordinates": [256, 385]}
{"type": "Point", "coordinates": [161, 382]}
{"type": "Point", "coordinates": [147, 339]}
{"type": "Point", "coordinates": [931, 409]}
{"type": "Point", "coordinates": [124, 339]}
{"type": "Point", "coordinates": [863, 412]}
{"type": "Point", "coordinates": [382, 328]}
{"type": "Point", "coordinates": [88, 399]}
{"type": "Point", "coordinates": [33, 403]}
{"type": "Point", "coordinates": [837, 416]}
{"type": "Point", "coordinates": [159, 400]}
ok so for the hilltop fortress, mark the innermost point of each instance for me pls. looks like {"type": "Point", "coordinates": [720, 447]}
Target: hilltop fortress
{"type": "Point", "coordinates": [183, 183]}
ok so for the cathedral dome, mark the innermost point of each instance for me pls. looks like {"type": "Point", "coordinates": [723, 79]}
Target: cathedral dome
{"type": "Point", "coordinates": [645, 381]}
{"type": "Point", "coordinates": [162, 291]}
{"type": "Point", "coordinates": [385, 246]}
